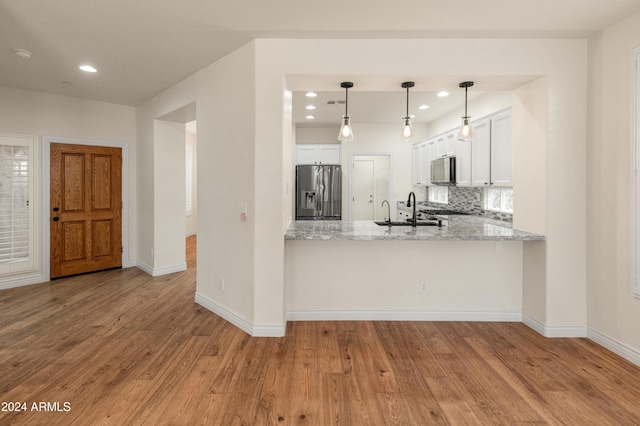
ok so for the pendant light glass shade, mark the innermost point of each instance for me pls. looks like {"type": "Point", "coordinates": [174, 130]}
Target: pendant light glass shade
{"type": "Point", "coordinates": [466, 131]}
{"type": "Point", "coordinates": [346, 134]}
{"type": "Point", "coordinates": [407, 129]}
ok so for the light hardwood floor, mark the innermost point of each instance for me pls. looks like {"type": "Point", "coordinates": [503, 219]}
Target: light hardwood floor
{"type": "Point", "coordinates": [123, 348]}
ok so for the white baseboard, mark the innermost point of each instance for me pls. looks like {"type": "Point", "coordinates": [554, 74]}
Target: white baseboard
{"type": "Point", "coordinates": [129, 264]}
{"type": "Point", "coordinates": [625, 351]}
{"type": "Point", "coordinates": [566, 330]}
{"type": "Point", "coordinates": [21, 282]}
{"type": "Point", "coordinates": [330, 315]}
{"type": "Point", "coordinates": [156, 272]}
{"type": "Point", "coordinates": [266, 330]}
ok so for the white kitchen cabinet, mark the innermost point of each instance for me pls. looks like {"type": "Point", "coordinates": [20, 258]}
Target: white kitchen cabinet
{"type": "Point", "coordinates": [416, 170]}
{"type": "Point", "coordinates": [501, 151]}
{"type": "Point", "coordinates": [426, 162]}
{"type": "Point", "coordinates": [446, 144]}
{"type": "Point", "coordinates": [463, 162]}
{"type": "Point", "coordinates": [450, 145]}
{"type": "Point", "coordinates": [432, 154]}
{"type": "Point", "coordinates": [481, 154]}
{"type": "Point", "coordinates": [318, 154]}
{"type": "Point", "coordinates": [420, 170]}
{"type": "Point", "coordinates": [492, 159]}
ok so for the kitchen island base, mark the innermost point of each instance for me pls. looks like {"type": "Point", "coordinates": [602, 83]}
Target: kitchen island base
{"type": "Point", "coordinates": [404, 280]}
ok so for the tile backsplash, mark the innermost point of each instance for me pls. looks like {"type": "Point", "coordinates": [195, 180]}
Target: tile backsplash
{"type": "Point", "coordinates": [469, 200]}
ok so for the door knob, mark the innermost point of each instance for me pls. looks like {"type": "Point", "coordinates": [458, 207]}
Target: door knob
{"type": "Point", "coordinates": [55, 219]}
{"type": "Point", "coordinates": [55, 209]}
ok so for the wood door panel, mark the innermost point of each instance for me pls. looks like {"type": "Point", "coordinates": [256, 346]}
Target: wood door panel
{"type": "Point", "coordinates": [102, 238]}
{"type": "Point", "coordinates": [101, 181]}
{"type": "Point", "coordinates": [73, 241]}
{"type": "Point", "coordinates": [73, 182]}
{"type": "Point", "coordinates": [86, 209]}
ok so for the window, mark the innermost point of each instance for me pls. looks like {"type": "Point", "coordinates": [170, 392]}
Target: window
{"type": "Point", "coordinates": [498, 199]}
{"type": "Point", "coordinates": [16, 204]}
{"type": "Point", "coordinates": [439, 194]}
{"type": "Point", "coordinates": [189, 180]}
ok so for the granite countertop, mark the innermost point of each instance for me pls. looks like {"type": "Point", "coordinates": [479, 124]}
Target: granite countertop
{"type": "Point", "coordinates": [461, 228]}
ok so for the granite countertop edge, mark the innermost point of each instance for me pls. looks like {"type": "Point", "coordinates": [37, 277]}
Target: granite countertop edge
{"type": "Point", "coordinates": [456, 228]}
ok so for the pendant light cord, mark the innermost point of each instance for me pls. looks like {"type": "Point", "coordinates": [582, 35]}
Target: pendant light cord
{"type": "Point", "coordinates": [346, 102]}
{"type": "Point", "coordinates": [465, 102]}
{"type": "Point", "coordinates": [407, 102]}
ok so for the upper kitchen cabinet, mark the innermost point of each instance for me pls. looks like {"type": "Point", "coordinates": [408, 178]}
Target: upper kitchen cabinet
{"type": "Point", "coordinates": [319, 154]}
{"type": "Point", "coordinates": [446, 144]}
{"type": "Point", "coordinates": [481, 156]}
{"type": "Point", "coordinates": [492, 160]}
{"type": "Point", "coordinates": [421, 164]}
{"type": "Point", "coordinates": [501, 151]}
{"type": "Point", "coordinates": [463, 162]}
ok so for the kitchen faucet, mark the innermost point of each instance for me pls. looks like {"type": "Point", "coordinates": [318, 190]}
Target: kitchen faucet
{"type": "Point", "coordinates": [388, 210]}
{"type": "Point", "coordinates": [414, 222]}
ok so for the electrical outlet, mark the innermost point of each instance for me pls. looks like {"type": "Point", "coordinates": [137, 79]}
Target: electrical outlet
{"type": "Point", "coordinates": [221, 283]}
{"type": "Point", "coordinates": [422, 286]}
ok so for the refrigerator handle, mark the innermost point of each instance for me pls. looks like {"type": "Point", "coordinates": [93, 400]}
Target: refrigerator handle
{"type": "Point", "coordinates": [320, 190]}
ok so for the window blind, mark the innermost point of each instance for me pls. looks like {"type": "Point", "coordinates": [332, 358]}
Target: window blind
{"type": "Point", "coordinates": [14, 203]}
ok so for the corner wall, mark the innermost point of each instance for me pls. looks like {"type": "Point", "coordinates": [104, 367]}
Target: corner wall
{"type": "Point", "coordinates": [613, 312]}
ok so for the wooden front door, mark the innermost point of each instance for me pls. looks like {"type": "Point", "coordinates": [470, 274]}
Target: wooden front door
{"type": "Point", "coordinates": [86, 209]}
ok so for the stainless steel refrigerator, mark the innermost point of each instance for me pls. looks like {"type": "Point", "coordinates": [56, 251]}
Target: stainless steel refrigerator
{"type": "Point", "coordinates": [318, 192]}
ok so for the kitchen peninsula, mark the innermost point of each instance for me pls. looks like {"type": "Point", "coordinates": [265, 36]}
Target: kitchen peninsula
{"type": "Point", "coordinates": [470, 269]}
{"type": "Point", "coordinates": [460, 228]}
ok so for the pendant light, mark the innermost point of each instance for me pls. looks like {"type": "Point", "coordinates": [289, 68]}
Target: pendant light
{"type": "Point", "coordinates": [466, 130]}
{"type": "Point", "coordinates": [407, 130]}
{"type": "Point", "coordinates": [346, 134]}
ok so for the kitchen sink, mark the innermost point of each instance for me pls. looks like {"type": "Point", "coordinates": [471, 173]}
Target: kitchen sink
{"type": "Point", "coordinates": [430, 223]}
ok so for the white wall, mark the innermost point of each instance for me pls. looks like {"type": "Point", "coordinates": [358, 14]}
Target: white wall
{"type": "Point", "coordinates": [317, 135]}
{"type": "Point", "coordinates": [45, 114]}
{"type": "Point", "coordinates": [158, 229]}
{"type": "Point", "coordinates": [170, 186]}
{"type": "Point", "coordinates": [227, 174]}
{"type": "Point", "coordinates": [612, 310]}
{"type": "Point", "coordinates": [381, 279]}
{"type": "Point", "coordinates": [192, 219]}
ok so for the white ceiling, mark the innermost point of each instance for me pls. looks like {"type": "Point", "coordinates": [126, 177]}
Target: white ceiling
{"type": "Point", "coordinates": [142, 47]}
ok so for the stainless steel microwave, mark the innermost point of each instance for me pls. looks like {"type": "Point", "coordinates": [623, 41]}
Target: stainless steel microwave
{"type": "Point", "coordinates": [443, 171]}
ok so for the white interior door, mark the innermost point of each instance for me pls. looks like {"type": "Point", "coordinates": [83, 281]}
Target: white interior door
{"type": "Point", "coordinates": [363, 189]}
{"type": "Point", "coordinates": [370, 185]}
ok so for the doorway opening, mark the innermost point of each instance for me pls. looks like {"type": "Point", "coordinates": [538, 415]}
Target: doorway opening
{"type": "Point", "coordinates": [370, 186]}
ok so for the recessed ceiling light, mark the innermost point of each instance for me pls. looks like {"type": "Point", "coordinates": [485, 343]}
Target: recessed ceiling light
{"type": "Point", "coordinates": [22, 54]}
{"type": "Point", "coordinates": [443, 94]}
{"type": "Point", "coordinates": [310, 107]}
{"type": "Point", "coordinates": [310, 117]}
{"type": "Point", "coordinates": [87, 68]}
{"type": "Point", "coordinates": [423, 107]}
{"type": "Point", "coordinates": [311, 94]}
